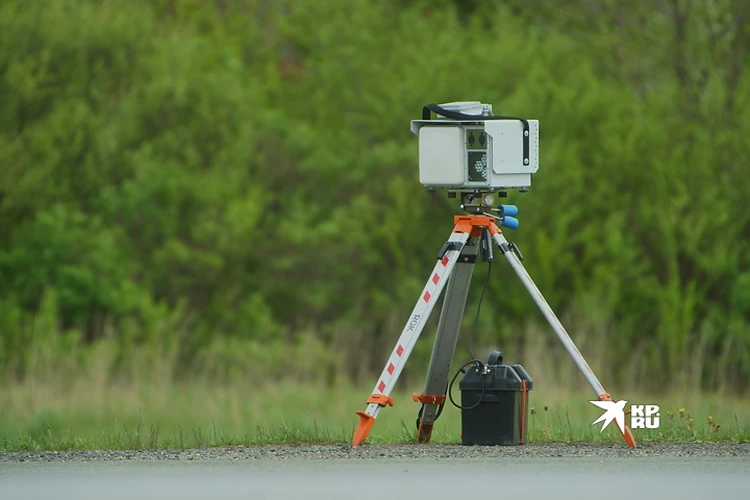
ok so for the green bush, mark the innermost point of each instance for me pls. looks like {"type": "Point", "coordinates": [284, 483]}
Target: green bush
{"type": "Point", "coordinates": [212, 184]}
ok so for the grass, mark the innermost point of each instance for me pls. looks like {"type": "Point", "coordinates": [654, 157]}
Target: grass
{"type": "Point", "coordinates": [90, 415]}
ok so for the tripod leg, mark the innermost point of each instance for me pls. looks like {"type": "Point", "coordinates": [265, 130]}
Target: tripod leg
{"type": "Point", "coordinates": [448, 330]}
{"type": "Point", "coordinates": [567, 342]}
{"type": "Point", "coordinates": [381, 394]}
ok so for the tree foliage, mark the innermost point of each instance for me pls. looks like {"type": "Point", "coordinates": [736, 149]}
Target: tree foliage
{"type": "Point", "coordinates": [226, 180]}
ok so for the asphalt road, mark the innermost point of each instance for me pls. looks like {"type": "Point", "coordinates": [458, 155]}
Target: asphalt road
{"type": "Point", "coordinates": [435, 474]}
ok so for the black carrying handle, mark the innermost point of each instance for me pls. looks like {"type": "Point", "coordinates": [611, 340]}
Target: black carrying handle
{"type": "Point", "coordinates": [455, 115]}
{"type": "Point", "coordinates": [496, 358]}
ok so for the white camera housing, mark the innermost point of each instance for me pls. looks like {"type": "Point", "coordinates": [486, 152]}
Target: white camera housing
{"type": "Point", "coordinates": [482, 154]}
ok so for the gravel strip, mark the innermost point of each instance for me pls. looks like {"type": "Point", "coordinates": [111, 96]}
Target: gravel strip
{"type": "Point", "coordinates": [391, 452]}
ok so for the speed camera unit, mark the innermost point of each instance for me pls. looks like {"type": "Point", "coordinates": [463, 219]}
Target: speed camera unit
{"type": "Point", "coordinates": [469, 149]}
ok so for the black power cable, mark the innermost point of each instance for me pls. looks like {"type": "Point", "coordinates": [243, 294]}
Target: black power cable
{"type": "Point", "coordinates": [479, 309]}
{"type": "Point", "coordinates": [474, 361]}
{"type": "Point", "coordinates": [479, 366]}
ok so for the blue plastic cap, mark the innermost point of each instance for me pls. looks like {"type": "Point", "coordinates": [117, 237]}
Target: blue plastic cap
{"type": "Point", "coordinates": [510, 222]}
{"type": "Point", "coordinates": [508, 209]}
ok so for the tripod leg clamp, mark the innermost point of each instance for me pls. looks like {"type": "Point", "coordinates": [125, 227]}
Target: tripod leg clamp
{"type": "Point", "coordinates": [380, 400]}
{"type": "Point", "coordinates": [450, 245]}
{"type": "Point", "coordinates": [511, 247]}
{"type": "Point", "coordinates": [428, 399]}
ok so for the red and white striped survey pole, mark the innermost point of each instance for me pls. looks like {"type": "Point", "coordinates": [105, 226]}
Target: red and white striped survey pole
{"type": "Point", "coordinates": [381, 394]}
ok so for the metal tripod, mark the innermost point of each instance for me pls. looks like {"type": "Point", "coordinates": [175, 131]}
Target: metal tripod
{"type": "Point", "coordinates": [456, 261]}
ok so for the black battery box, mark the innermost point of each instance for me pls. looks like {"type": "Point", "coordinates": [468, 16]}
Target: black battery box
{"type": "Point", "coordinates": [494, 401]}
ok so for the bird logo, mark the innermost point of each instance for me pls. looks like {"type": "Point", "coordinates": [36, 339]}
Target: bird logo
{"type": "Point", "coordinates": [614, 410]}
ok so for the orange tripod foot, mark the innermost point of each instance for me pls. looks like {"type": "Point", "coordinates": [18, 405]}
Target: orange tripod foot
{"type": "Point", "coordinates": [628, 435]}
{"type": "Point", "coordinates": [363, 429]}
{"type": "Point", "coordinates": [425, 433]}
{"type": "Point", "coordinates": [366, 420]}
